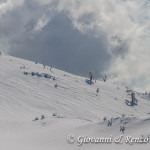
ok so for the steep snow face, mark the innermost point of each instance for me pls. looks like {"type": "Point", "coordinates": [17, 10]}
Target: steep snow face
{"type": "Point", "coordinates": [69, 105]}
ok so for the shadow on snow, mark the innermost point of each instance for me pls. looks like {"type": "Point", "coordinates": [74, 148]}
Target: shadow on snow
{"type": "Point", "coordinates": [130, 103]}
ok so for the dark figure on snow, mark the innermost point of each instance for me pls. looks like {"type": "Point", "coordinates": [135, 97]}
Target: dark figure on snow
{"type": "Point", "coordinates": [133, 96]}
{"type": "Point", "coordinates": [90, 76]}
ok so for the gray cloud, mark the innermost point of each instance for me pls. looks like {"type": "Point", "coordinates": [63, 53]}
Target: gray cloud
{"type": "Point", "coordinates": [61, 45]}
{"type": "Point", "coordinates": [106, 36]}
{"type": "Point", "coordinates": [50, 35]}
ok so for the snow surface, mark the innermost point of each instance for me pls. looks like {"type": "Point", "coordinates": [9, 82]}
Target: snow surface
{"type": "Point", "coordinates": [73, 107]}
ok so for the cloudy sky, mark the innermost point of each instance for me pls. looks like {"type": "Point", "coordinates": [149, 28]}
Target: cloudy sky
{"type": "Point", "coordinates": [106, 36]}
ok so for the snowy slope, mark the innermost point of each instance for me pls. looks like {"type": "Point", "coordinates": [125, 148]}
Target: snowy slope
{"type": "Point", "coordinates": [73, 107]}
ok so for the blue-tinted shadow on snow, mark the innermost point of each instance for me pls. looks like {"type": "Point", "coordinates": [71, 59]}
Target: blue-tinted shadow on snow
{"type": "Point", "coordinates": [130, 103]}
{"type": "Point", "coordinates": [45, 75]}
{"type": "Point", "coordinates": [89, 82]}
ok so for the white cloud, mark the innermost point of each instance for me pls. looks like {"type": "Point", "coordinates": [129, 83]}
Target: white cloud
{"type": "Point", "coordinates": [8, 5]}
{"type": "Point", "coordinates": [127, 25]}
{"type": "Point", "coordinates": [41, 23]}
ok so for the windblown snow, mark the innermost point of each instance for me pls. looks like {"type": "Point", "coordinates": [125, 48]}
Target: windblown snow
{"type": "Point", "coordinates": [40, 106]}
